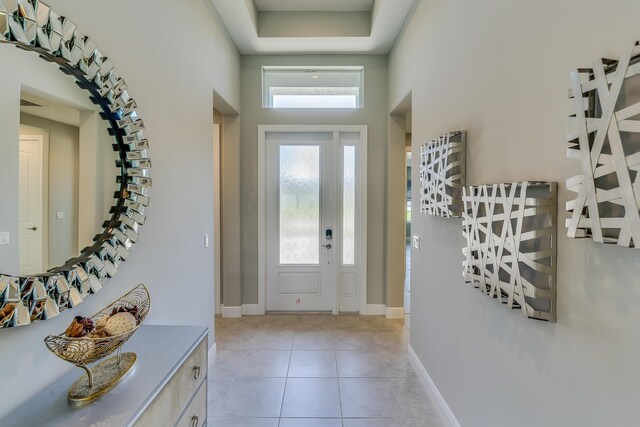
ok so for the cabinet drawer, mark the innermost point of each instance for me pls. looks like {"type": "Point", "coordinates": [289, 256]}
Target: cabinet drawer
{"type": "Point", "coordinates": [177, 393]}
{"type": "Point", "coordinates": [196, 413]}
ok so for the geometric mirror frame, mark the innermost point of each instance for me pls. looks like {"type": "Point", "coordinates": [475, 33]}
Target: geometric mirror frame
{"type": "Point", "coordinates": [510, 230]}
{"type": "Point", "coordinates": [604, 136]}
{"type": "Point", "coordinates": [33, 26]}
{"type": "Point", "coordinates": [442, 175]}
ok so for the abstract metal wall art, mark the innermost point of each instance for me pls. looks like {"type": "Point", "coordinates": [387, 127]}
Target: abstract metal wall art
{"type": "Point", "coordinates": [604, 136]}
{"type": "Point", "coordinates": [510, 231]}
{"type": "Point", "coordinates": [442, 174]}
{"type": "Point", "coordinates": [33, 26]}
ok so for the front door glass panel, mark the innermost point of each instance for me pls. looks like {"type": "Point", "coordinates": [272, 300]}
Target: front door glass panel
{"type": "Point", "coordinates": [299, 207]}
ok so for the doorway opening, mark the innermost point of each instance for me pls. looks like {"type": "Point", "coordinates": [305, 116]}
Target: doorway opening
{"type": "Point", "coordinates": [407, 271]}
{"type": "Point", "coordinates": [399, 233]}
{"type": "Point", "coordinates": [218, 122]}
{"type": "Point", "coordinates": [226, 202]}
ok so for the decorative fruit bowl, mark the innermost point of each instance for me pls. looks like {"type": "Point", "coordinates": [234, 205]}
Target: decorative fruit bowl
{"type": "Point", "coordinates": [102, 334]}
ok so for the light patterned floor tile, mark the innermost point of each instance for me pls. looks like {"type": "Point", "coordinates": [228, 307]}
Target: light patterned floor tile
{"type": "Point", "coordinates": [312, 370]}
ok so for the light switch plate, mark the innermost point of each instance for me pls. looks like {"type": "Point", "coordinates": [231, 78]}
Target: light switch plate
{"type": "Point", "coordinates": [5, 238]}
{"type": "Point", "coordinates": [59, 215]}
{"type": "Point", "coordinates": [415, 242]}
{"type": "Point", "coordinates": [206, 240]}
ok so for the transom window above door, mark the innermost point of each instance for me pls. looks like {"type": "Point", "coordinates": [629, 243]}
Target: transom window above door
{"type": "Point", "coordinates": [312, 87]}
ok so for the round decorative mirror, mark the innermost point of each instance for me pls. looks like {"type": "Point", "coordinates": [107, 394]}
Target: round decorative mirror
{"type": "Point", "coordinates": [27, 296]}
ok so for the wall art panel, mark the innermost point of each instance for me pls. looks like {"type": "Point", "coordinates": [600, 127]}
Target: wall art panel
{"type": "Point", "coordinates": [510, 231]}
{"type": "Point", "coordinates": [604, 136]}
{"type": "Point", "coordinates": [442, 174]}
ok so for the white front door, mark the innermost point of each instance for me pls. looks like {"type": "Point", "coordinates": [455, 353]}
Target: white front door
{"type": "Point", "coordinates": [30, 204]}
{"type": "Point", "coordinates": [313, 229]}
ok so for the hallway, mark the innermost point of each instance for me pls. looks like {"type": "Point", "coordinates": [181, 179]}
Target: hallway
{"type": "Point", "coordinates": [309, 370]}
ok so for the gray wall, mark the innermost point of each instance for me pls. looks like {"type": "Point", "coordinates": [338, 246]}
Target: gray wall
{"type": "Point", "coordinates": [230, 212]}
{"type": "Point", "coordinates": [373, 114]}
{"type": "Point", "coordinates": [500, 69]}
{"type": "Point", "coordinates": [173, 57]}
{"type": "Point", "coordinates": [395, 246]}
{"type": "Point", "coordinates": [62, 182]}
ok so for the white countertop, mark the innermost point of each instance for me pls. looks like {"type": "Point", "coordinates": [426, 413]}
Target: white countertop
{"type": "Point", "coordinates": [160, 350]}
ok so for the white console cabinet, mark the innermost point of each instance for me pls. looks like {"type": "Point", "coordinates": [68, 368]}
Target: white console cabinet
{"type": "Point", "coordinates": [168, 387]}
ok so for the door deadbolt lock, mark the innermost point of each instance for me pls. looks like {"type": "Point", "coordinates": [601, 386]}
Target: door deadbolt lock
{"type": "Point", "coordinates": [328, 234]}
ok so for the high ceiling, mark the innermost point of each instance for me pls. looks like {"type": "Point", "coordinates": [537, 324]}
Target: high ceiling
{"type": "Point", "coordinates": [313, 26]}
{"type": "Point", "coordinates": [314, 5]}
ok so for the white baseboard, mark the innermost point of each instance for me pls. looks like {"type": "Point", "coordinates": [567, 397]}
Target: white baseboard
{"type": "Point", "coordinates": [383, 310]}
{"type": "Point", "coordinates": [443, 409]}
{"type": "Point", "coordinates": [370, 310]}
{"type": "Point", "coordinates": [213, 352]}
{"type": "Point", "coordinates": [244, 310]}
{"type": "Point", "coordinates": [231, 312]}
{"type": "Point", "coordinates": [251, 310]}
{"type": "Point", "coordinates": [374, 310]}
{"type": "Point", "coordinates": [394, 312]}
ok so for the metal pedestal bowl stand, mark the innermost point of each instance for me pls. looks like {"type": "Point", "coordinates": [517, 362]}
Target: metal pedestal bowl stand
{"type": "Point", "coordinates": [83, 351]}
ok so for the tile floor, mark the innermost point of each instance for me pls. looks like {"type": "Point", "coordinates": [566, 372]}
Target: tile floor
{"type": "Point", "coordinates": [315, 370]}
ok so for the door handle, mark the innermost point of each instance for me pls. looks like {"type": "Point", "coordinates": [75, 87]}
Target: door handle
{"type": "Point", "coordinates": [33, 228]}
{"type": "Point", "coordinates": [328, 246]}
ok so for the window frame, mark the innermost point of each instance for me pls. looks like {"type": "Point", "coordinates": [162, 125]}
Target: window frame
{"type": "Point", "coordinates": [267, 92]}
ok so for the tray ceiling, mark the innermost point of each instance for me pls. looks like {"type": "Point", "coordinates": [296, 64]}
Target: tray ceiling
{"type": "Point", "coordinates": [314, 5]}
{"type": "Point", "coordinates": [311, 26]}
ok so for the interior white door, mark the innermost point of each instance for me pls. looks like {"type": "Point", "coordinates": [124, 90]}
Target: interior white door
{"type": "Point", "coordinates": [30, 204]}
{"type": "Point", "coordinates": [300, 208]}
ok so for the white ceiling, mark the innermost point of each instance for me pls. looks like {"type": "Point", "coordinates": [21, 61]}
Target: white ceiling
{"type": "Point", "coordinates": [314, 5]}
{"type": "Point", "coordinates": [49, 109]}
{"type": "Point", "coordinates": [242, 20]}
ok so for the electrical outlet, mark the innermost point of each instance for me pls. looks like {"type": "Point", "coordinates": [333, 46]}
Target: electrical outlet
{"type": "Point", "coordinates": [5, 238]}
{"type": "Point", "coordinates": [416, 242]}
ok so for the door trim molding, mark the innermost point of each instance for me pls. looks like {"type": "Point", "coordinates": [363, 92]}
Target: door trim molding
{"type": "Point", "coordinates": [262, 264]}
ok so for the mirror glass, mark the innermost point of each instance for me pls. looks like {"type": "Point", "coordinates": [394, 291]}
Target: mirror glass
{"type": "Point", "coordinates": [78, 182]}
{"type": "Point", "coordinates": [59, 167]}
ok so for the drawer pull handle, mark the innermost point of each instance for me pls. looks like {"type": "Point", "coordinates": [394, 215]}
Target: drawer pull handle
{"type": "Point", "coordinates": [196, 373]}
{"type": "Point", "coordinates": [194, 421]}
